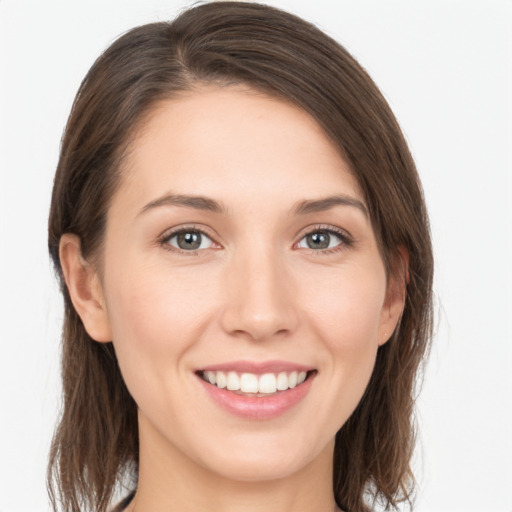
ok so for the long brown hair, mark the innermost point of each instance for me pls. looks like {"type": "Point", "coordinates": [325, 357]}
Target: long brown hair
{"type": "Point", "coordinates": [96, 441]}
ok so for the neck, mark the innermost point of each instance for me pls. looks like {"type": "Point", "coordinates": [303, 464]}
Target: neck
{"type": "Point", "coordinates": [169, 481]}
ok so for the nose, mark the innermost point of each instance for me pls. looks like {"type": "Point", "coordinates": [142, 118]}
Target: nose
{"type": "Point", "coordinates": [259, 297]}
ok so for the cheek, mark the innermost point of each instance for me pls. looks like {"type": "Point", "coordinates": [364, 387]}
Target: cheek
{"type": "Point", "coordinates": [154, 319]}
{"type": "Point", "coordinates": [154, 304]}
{"type": "Point", "coordinates": [346, 309]}
{"type": "Point", "coordinates": [345, 314]}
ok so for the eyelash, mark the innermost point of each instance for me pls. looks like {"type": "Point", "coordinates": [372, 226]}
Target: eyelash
{"type": "Point", "coordinates": [346, 240]}
{"type": "Point", "coordinates": [163, 241]}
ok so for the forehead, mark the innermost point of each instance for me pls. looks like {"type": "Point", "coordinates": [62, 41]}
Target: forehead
{"type": "Point", "coordinates": [234, 143]}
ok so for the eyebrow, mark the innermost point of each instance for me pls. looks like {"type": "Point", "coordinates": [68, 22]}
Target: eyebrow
{"type": "Point", "coordinates": [211, 205]}
{"type": "Point", "coordinates": [196, 202]}
{"type": "Point", "coordinates": [320, 205]}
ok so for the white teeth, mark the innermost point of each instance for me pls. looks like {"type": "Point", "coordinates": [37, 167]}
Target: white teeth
{"type": "Point", "coordinates": [233, 381]}
{"type": "Point", "coordinates": [249, 383]}
{"type": "Point", "coordinates": [268, 383]}
{"type": "Point", "coordinates": [282, 381]}
{"type": "Point", "coordinates": [221, 380]}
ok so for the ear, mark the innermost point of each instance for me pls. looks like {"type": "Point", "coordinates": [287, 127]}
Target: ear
{"type": "Point", "coordinates": [394, 303]}
{"type": "Point", "coordinates": [84, 288]}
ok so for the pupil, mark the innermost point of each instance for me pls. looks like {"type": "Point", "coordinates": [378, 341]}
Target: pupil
{"type": "Point", "coordinates": [189, 240]}
{"type": "Point", "coordinates": [319, 240]}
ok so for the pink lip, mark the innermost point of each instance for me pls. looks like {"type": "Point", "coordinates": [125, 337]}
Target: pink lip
{"type": "Point", "coordinates": [258, 368]}
{"type": "Point", "coordinates": [258, 408]}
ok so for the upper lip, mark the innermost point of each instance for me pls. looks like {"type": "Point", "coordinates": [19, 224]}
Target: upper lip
{"type": "Point", "coordinates": [257, 367]}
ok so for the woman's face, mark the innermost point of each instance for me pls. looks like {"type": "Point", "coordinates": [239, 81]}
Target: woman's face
{"type": "Point", "coordinates": [239, 244]}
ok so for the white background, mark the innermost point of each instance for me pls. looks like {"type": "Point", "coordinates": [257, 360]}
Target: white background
{"type": "Point", "coordinates": [442, 64]}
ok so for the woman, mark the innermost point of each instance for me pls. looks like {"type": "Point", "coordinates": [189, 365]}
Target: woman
{"type": "Point", "coordinates": [245, 259]}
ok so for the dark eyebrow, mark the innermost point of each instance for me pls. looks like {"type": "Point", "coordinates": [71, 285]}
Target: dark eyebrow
{"type": "Point", "coordinates": [196, 202]}
{"type": "Point", "coordinates": [320, 205]}
{"type": "Point", "coordinates": [208, 204]}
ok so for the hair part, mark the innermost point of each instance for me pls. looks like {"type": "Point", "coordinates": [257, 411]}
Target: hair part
{"type": "Point", "coordinates": [266, 49]}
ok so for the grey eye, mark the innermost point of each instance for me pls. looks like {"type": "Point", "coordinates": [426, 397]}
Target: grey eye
{"type": "Point", "coordinates": [319, 240]}
{"type": "Point", "coordinates": [190, 240]}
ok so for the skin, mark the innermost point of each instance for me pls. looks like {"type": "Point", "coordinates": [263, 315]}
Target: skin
{"type": "Point", "coordinates": [255, 291]}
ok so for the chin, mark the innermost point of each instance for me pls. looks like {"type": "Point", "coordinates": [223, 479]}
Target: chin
{"type": "Point", "coordinates": [254, 461]}
{"type": "Point", "coordinates": [258, 470]}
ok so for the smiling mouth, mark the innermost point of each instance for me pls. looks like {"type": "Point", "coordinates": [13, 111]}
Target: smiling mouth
{"type": "Point", "coordinates": [255, 385]}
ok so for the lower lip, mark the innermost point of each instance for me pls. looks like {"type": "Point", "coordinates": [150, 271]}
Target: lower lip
{"type": "Point", "coordinates": [258, 408]}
